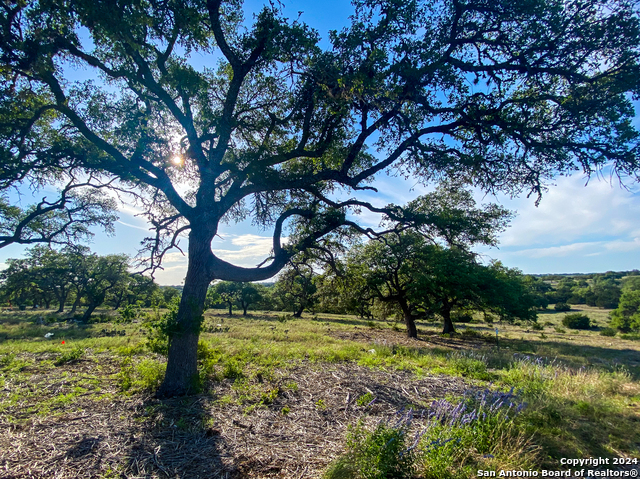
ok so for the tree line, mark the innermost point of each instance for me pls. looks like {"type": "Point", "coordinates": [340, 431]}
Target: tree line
{"type": "Point", "coordinates": [74, 277]}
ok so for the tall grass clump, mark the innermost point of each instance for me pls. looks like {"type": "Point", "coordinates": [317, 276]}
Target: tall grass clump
{"type": "Point", "coordinates": [462, 434]}
{"type": "Point", "coordinates": [377, 454]}
{"type": "Point", "coordinates": [451, 439]}
{"type": "Point", "coordinates": [469, 364]}
{"type": "Point", "coordinates": [533, 374]}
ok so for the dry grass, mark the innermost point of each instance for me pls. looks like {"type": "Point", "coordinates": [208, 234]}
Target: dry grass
{"type": "Point", "coordinates": [102, 433]}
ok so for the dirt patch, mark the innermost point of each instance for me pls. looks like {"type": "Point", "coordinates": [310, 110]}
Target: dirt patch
{"type": "Point", "coordinates": [295, 435]}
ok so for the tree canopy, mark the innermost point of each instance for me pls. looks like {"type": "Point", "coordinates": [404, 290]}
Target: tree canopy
{"type": "Point", "coordinates": [501, 94]}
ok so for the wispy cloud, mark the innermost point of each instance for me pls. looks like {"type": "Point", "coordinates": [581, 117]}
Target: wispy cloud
{"type": "Point", "coordinates": [558, 251]}
{"type": "Point", "coordinates": [133, 226]}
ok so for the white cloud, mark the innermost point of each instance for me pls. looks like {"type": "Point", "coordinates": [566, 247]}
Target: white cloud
{"type": "Point", "coordinates": [559, 251]}
{"type": "Point", "coordinates": [133, 226]}
{"type": "Point", "coordinates": [623, 246]}
{"type": "Point", "coordinates": [253, 249]}
{"type": "Point", "coordinates": [572, 211]}
{"type": "Point", "coordinates": [175, 257]}
{"type": "Point", "coordinates": [172, 275]}
{"type": "Point", "coordinates": [252, 240]}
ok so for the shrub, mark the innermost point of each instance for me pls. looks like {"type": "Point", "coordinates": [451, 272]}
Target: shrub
{"type": "Point", "coordinates": [576, 321]}
{"type": "Point", "coordinates": [160, 328]}
{"type": "Point", "coordinates": [537, 327]}
{"type": "Point", "coordinates": [562, 307]}
{"type": "Point", "coordinates": [461, 317]}
{"type": "Point", "coordinates": [129, 313]}
{"type": "Point", "coordinates": [608, 332]}
{"type": "Point", "coordinates": [379, 454]}
{"type": "Point", "coordinates": [69, 356]}
{"type": "Point", "coordinates": [143, 376]}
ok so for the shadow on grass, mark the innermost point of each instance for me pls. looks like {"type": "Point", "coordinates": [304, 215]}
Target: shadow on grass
{"type": "Point", "coordinates": [577, 429]}
{"type": "Point", "coordinates": [577, 355]}
{"type": "Point", "coordinates": [60, 332]}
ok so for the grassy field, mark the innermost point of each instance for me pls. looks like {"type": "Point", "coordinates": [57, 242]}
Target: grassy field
{"type": "Point", "coordinates": [329, 396]}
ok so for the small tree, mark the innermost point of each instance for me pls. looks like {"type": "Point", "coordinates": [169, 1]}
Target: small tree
{"type": "Point", "coordinates": [296, 288]}
{"type": "Point", "coordinates": [227, 292]}
{"type": "Point", "coordinates": [626, 317]}
{"type": "Point", "coordinates": [103, 274]}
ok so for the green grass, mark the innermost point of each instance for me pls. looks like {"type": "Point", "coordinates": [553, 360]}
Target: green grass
{"type": "Point", "coordinates": [582, 390]}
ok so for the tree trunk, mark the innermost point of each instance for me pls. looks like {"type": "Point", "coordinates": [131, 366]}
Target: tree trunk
{"type": "Point", "coordinates": [298, 312]}
{"type": "Point", "coordinates": [76, 303]}
{"type": "Point", "coordinates": [182, 363]}
{"type": "Point", "coordinates": [448, 324]}
{"type": "Point", "coordinates": [87, 314]}
{"type": "Point", "coordinates": [412, 331]}
{"type": "Point", "coordinates": [244, 309]}
{"type": "Point", "coordinates": [230, 309]}
{"type": "Point", "coordinates": [61, 305]}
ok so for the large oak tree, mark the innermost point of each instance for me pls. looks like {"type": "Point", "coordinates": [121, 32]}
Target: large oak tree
{"type": "Point", "coordinates": [501, 94]}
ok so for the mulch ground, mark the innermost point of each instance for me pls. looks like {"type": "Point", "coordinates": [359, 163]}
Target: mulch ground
{"type": "Point", "coordinates": [201, 437]}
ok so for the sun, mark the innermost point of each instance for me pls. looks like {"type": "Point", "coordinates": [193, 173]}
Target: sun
{"type": "Point", "coordinates": [176, 160]}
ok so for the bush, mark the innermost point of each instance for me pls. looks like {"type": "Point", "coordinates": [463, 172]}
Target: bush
{"type": "Point", "coordinates": [608, 332]}
{"type": "Point", "coordinates": [562, 307]}
{"type": "Point", "coordinates": [461, 317]}
{"type": "Point", "coordinates": [576, 321]}
{"type": "Point", "coordinates": [379, 454]}
{"type": "Point", "coordinates": [129, 313]}
{"type": "Point", "coordinates": [69, 356]}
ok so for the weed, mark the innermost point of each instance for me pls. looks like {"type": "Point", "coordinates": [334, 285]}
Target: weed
{"type": "Point", "coordinates": [232, 370]}
{"type": "Point", "coordinates": [379, 454]}
{"type": "Point", "coordinates": [365, 399]}
{"type": "Point", "coordinates": [69, 356]}
{"type": "Point", "coordinates": [145, 375]}
{"type": "Point", "coordinates": [320, 405]}
{"type": "Point", "coordinates": [469, 364]}
{"type": "Point", "coordinates": [293, 386]}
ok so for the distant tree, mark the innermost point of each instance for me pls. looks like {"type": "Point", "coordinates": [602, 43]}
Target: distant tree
{"type": "Point", "coordinates": [227, 292]}
{"type": "Point", "coordinates": [424, 278]}
{"type": "Point", "coordinates": [539, 290]}
{"type": "Point", "coordinates": [452, 280]}
{"type": "Point", "coordinates": [606, 292]}
{"type": "Point", "coordinates": [53, 273]}
{"type": "Point", "coordinates": [248, 294]}
{"type": "Point", "coordinates": [385, 269]}
{"type": "Point", "coordinates": [103, 274]}
{"type": "Point", "coordinates": [295, 287]}
{"type": "Point", "coordinates": [626, 317]}
{"type": "Point", "coordinates": [18, 283]}
{"type": "Point", "coordinates": [136, 289]}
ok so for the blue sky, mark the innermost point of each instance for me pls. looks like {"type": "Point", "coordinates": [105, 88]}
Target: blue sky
{"type": "Point", "coordinates": [580, 226]}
